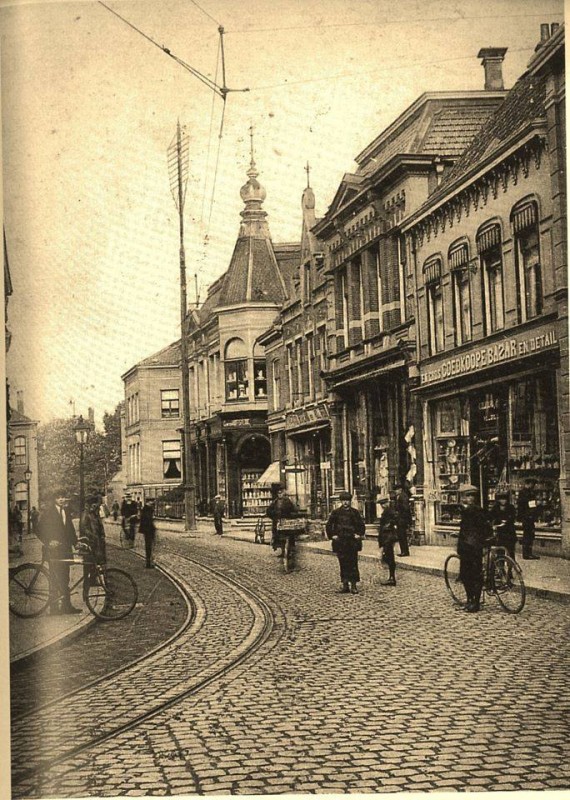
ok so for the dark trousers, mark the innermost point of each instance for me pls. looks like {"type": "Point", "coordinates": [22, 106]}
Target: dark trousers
{"type": "Point", "coordinates": [471, 572]}
{"type": "Point", "coordinates": [527, 538]}
{"type": "Point", "coordinates": [348, 563]}
{"type": "Point", "coordinates": [509, 544]}
{"type": "Point", "coordinates": [389, 558]}
{"type": "Point", "coordinates": [219, 525]}
{"type": "Point", "coordinates": [148, 544]}
{"type": "Point", "coordinates": [60, 571]}
{"type": "Point", "coordinates": [403, 539]}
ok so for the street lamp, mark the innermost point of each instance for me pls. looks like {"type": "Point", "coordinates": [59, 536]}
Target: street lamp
{"type": "Point", "coordinates": [81, 429]}
{"type": "Point", "coordinates": [28, 479]}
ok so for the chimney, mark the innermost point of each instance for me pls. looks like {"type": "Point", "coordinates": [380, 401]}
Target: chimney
{"type": "Point", "coordinates": [91, 416]}
{"type": "Point", "coordinates": [20, 401]}
{"type": "Point", "coordinates": [492, 60]}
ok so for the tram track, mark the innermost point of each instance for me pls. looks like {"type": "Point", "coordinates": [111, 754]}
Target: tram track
{"type": "Point", "coordinates": [261, 628]}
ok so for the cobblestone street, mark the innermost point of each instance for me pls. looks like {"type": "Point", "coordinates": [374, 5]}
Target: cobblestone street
{"type": "Point", "coordinates": [279, 684]}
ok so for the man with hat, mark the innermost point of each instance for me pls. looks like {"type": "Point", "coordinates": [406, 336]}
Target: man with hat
{"type": "Point", "coordinates": [282, 507]}
{"type": "Point", "coordinates": [474, 532]}
{"type": "Point", "coordinates": [502, 516]}
{"type": "Point", "coordinates": [148, 529]}
{"type": "Point", "coordinates": [345, 527]}
{"type": "Point", "coordinates": [388, 535]}
{"type": "Point", "coordinates": [527, 510]}
{"type": "Point", "coordinates": [218, 510]}
{"type": "Point", "coordinates": [129, 513]}
{"type": "Point", "coordinates": [57, 532]}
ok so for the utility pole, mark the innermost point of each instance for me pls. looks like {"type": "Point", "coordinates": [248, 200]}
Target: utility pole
{"type": "Point", "coordinates": [178, 174]}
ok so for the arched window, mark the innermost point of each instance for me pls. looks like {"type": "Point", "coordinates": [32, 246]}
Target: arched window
{"type": "Point", "coordinates": [19, 450]}
{"type": "Point", "coordinates": [489, 248]}
{"type": "Point", "coordinates": [459, 267]}
{"type": "Point", "coordinates": [524, 218]}
{"type": "Point", "coordinates": [236, 370]}
{"type": "Point", "coordinates": [434, 294]}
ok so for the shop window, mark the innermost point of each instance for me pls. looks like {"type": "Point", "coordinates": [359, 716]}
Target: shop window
{"type": "Point", "coordinates": [434, 291]}
{"type": "Point", "coordinates": [452, 456]}
{"type": "Point", "coordinates": [171, 461]}
{"type": "Point", "coordinates": [169, 403]}
{"type": "Point", "coordinates": [459, 265]}
{"type": "Point", "coordinates": [20, 451]}
{"type": "Point", "coordinates": [527, 253]}
{"type": "Point", "coordinates": [236, 380]}
{"type": "Point", "coordinates": [490, 251]}
{"type": "Point", "coordinates": [260, 378]}
{"type": "Point", "coordinates": [237, 383]}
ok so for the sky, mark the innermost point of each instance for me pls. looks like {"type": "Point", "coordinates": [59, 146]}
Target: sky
{"type": "Point", "coordinates": [90, 106]}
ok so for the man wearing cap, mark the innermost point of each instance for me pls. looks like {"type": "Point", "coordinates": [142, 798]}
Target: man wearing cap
{"type": "Point", "coordinates": [402, 507]}
{"type": "Point", "coordinates": [502, 516]}
{"type": "Point", "coordinates": [345, 527]}
{"type": "Point", "coordinates": [129, 513]}
{"type": "Point", "coordinates": [57, 532]}
{"type": "Point", "coordinates": [282, 507]}
{"type": "Point", "coordinates": [218, 510]}
{"type": "Point", "coordinates": [388, 535]}
{"type": "Point", "coordinates": [527, 511]}
{"type": "Point", "coordinates": [474, 532]}
{"type": "Point", "coordinates": [148, 529]}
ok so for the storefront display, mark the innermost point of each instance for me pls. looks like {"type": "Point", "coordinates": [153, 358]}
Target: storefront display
{"type": "Point", "coordinates": [255, 498]}
{"type": "Point", "coordinates": [495, 438]}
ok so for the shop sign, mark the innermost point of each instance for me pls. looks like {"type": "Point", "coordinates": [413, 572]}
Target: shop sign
{"type": "Point", "coordinates": [525, 344]}
{"type": "Point", "coordinates": [238, 423]}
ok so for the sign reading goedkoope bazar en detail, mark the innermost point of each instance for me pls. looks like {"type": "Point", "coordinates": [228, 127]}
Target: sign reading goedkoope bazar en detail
{"type": "Point", "coordinates": [526, 343]}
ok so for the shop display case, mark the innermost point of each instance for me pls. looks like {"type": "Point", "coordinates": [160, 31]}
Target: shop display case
{"type": "Point", "coordinates": [255, 498]}
{"type": "Point", "coordinates": [452, 462]}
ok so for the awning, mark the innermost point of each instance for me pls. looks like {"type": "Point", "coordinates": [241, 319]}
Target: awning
{"type": "Point", "coordinates": [271, 475]}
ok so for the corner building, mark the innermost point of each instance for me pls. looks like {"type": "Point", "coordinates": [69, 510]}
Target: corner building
{"type": "Point", "coordinates": [487, 286]}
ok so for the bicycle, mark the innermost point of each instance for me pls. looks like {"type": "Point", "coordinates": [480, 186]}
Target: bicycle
{"type": "Point", "coordinates": [289, 530]}
{"type": "Point", "coordinates": [109, 593]}
{"type": "Point", "coordinates": [260, 531]}
{"type": "Point", "coordinates": [502, 577]}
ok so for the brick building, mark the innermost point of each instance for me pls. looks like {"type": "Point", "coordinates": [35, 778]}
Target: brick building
{"type": "Point", "coordinates": [486, 280]}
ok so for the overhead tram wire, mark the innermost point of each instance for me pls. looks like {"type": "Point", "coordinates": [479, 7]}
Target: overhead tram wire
{"type": "Point", "coordinates": [203, 10]}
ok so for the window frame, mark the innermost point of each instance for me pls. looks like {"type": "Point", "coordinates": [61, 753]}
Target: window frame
{"type": "Point", "coordinates": [172, 458]}
{"type": "Point", "coordinates": [171, 412]}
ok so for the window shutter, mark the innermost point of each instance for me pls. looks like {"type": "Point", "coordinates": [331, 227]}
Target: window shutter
{"type": "Point", "coordinates": [432, 270]}
{"type": "Point", "coordinates": [525, 216]}
{"type": "Point", "coordinates": [488, 238]}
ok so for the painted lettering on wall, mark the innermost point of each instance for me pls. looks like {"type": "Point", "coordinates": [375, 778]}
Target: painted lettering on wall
{"type": "Point", "coordinates": [488, 356]}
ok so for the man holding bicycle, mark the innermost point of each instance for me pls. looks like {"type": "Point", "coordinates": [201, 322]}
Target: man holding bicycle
{"type": "Point", "coordinates": [57, 532]}
{"type": "Point", "coordinates": [474, 533]}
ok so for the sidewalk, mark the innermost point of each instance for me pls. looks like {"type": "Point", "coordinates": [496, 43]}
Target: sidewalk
{"type": "Point", "coordinates": [549, 577]}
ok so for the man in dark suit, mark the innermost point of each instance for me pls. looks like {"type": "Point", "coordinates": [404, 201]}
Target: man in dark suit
{"type": "Point", "coordinates": [345, 527]}
{"type": "Point", "coordinates": [57, 532]}
{"type": "Point", "coordinates": [527, 512]}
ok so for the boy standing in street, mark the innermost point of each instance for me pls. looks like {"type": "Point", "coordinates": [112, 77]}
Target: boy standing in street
{"type": "Point", "coordinates": [474, 532]}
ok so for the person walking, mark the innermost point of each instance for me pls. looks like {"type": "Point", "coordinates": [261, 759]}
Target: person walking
{"type": "Point", "coordinates": [345, 528]}
{"type": "Point", "coordinates": [57, 532]}
{"type": "Point", "coordinates": [502, 517]}
{"type": "Point", "coordinates": [91, 528]}
{"type": "Point", "coordinates": [474, 532]}
{"type": "Point", "coordinates": [218, 511]}
{"type": "Point", "coordinates": [404, 512]}
{"type": "Point", "coordinates": [35, 517]}
{"type": "Point", "coordinates": [527, 512]}
{"type": "Point", "coordinates": [282, 507]}
{"type": "Point", "coordinates": [148, 529]}
{"type": "Point", "coordinates": [115, 510]}
{"type": "Point", "coordinates": [129, 514]}
{"type": "Point", "coordinates": [389, 527]}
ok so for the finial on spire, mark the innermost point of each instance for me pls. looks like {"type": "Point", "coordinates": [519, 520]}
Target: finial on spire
{"type": "Point", "coordinates": [308, 171]}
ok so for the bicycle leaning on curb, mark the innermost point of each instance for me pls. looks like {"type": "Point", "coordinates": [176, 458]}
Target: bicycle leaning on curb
{"type": "Point", "coordinates": [109, 593]}
{"type": "Point", "coordinates": [502, 578]}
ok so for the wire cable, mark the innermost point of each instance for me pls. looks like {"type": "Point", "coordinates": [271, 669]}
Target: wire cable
{"type": "Point", "coordinates": [205, 12]}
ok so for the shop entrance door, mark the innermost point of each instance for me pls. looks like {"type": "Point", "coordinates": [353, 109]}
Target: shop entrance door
{"type": "Point", "coordinates": [489, 424]}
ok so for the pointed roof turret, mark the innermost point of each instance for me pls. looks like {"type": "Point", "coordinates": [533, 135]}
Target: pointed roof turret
{"type": "Point", "coordinates": [253, 274]}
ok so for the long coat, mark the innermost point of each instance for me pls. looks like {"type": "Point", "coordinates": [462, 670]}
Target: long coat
{"type": "Point", "coordinates": [51, 528]}
{"type": "Point", "coordinates": [92, 528]}
{"type": "Point", "coordinates": [347, 524]}
{"type": "Point", "coordinates": [146, 525]}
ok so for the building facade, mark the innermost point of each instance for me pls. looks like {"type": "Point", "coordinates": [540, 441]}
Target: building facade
{"type": "Point", "coordinates": [487, 286]}
{"type": "Point", "coordinates": [23, 459]}
{"type": "Point", "coordinates": [151, 445]}
{"type": "Point", "coordinates": [296, 352]}
{"type": "Point", "coordinates": [371, 328]}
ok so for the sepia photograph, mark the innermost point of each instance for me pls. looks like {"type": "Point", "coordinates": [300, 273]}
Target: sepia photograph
{"type": "Point", "coordinates": [287, 406]}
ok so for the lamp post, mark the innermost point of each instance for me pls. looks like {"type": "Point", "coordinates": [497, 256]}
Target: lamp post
{"type": "Point", "coordinates": [81, 429]}
{"type": "Point", "coordinates": [28, 478]}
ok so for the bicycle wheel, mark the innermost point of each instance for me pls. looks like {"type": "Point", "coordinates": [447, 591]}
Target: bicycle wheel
{"type": "Point", "coordinates": [29, 590]}
{"type": "Point", "coordinates": [454, 584]}
{"type": "Point", "coordinates": [288, 554]}
{"type": "Point", "coordinates": [508, 584]}
{"type": "Point", "coordinates": [112, 594]}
